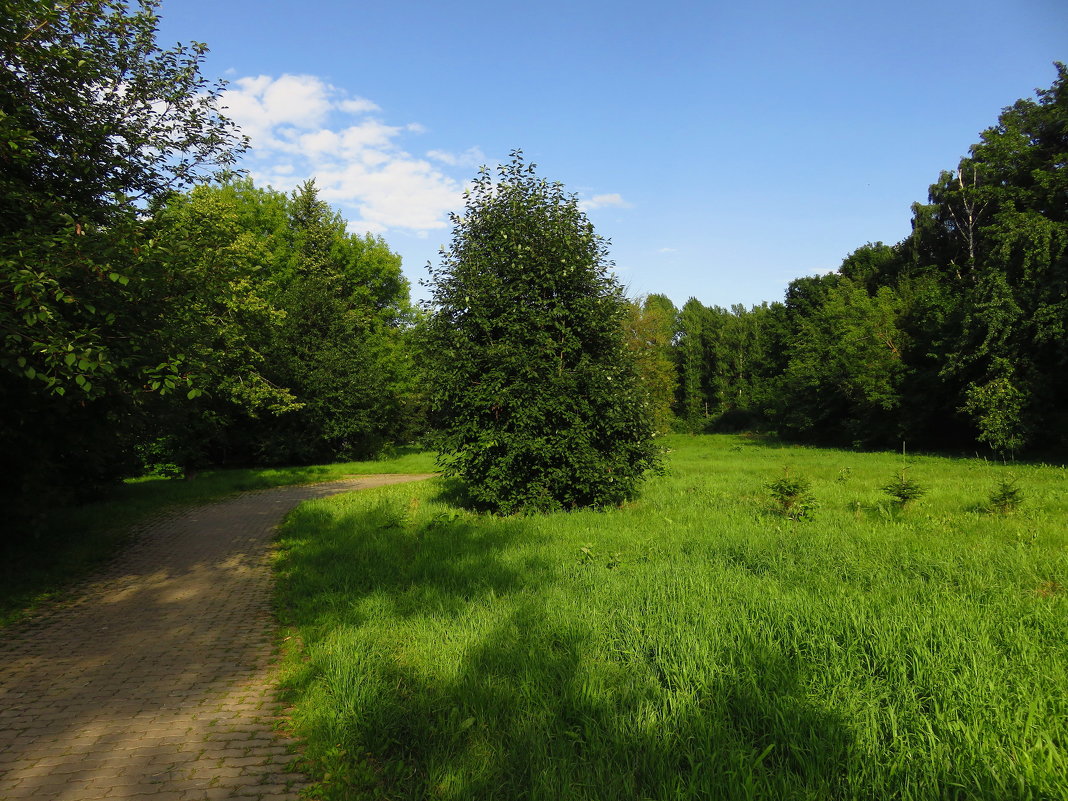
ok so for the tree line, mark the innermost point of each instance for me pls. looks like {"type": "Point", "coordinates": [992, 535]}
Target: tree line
{"type": "Point", "coordinates": [159, 312]}
{"type": "Point", "coordinates": [955, 337]}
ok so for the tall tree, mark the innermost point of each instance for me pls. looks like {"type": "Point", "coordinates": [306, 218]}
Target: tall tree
{"type": "Point", "coordinates": [650, 326]}
{"type": "Point", "coordinates": [338, 348]}
{"type": "Point", "coordinates": [96, 124]}
{"type": "Point", "coordinates": [95, 121]}
{"type": "Point", "coordinates": [692, 363]}
{"type": "Point", "coordinates": [539, 402]}
{"type": "Point", "coordinates": [842, 381]}
{"type": "Point", "coordinates": [320, 324]}
{"type": "Point", "coordinates": [996, 231]}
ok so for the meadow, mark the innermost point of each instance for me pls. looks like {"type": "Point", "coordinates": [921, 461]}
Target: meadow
{"type": "Point", "coordinates": [694, 644]}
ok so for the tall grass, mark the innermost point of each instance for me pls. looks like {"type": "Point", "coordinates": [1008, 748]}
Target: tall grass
{"type": "Point", "coordinates": [39, 562]}
{"type": "Point", "coordinates": [695, 644]}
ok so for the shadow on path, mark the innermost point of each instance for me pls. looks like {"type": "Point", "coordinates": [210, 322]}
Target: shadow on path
{"type": "Point", "coordinates": [157, 680]}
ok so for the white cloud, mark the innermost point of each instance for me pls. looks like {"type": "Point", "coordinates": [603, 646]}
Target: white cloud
{"type": "Point", "coordinates": [668, 250]}
{"type": "Point", "coordinates": [472, 157]}
{"type": "Point", "coordinates": [358, 105]}
{"type": "Point", "coordinates": [601, 201]}
{"type": "Point", "coordinates": [302, 127]}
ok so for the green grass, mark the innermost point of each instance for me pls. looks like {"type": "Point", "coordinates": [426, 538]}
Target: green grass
{"type": "Point", "coordinates": [693, 645]}
{"type": "Point", "coordinates": [41, 565]}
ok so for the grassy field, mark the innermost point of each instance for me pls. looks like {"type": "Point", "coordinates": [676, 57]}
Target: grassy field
{"type": "Point", "coordinates": [693, 645]}
{"type": "Point", "coordinates": [42, 565]}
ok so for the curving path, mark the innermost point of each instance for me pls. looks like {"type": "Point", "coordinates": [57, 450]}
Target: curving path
{"type": "Point", "coordinates": [156, 682]}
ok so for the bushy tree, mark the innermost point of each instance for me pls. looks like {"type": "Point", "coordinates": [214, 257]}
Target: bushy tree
{"type": "Point", "coordinates": [312, 358]}
{"type": "Point", "coordinates": [650, 326]}
{"type": "Point", "coordinates": [96, 125]}
{"type": "Point", "coordinates": [95, 121]}
{"type": "Point", "coordinates": [692, 363]}
{"type": "Point", "coordinates": [538, 401]}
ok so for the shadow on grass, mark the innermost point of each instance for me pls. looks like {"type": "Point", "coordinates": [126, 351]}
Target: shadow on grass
{"type": "Point", "coordinates": [530, 705]}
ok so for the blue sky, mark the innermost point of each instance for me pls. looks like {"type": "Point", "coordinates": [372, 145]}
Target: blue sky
{"type": "Point", "coordinates": [724, 149]}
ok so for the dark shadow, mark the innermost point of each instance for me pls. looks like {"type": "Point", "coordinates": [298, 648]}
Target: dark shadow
{"type": "Point", "coordinates": [42, 558]}
{"type": "Point", "coordinates": [534, 709]}
{"type": "Point", "coordinates": [525, 718]}
{"type": "Point", "coordinates": [437, 564]}
{"type": "Point", "coordinates": [453, 492]}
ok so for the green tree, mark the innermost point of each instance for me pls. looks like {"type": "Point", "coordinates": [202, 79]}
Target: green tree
{"type": "Point", "coordinates": [650, 326]}
{"type": "Point", "coordinates": [538, 401]}
{"type": "Point", "coordinates": [97, 124]}
{"type": "Point", "coordinates": [842, 381]}
{"type": "Point", "coordinates": [996, 234]}
{"type": "Point", "coordinates": [95, 121]}
{"type": "Point", "coordinates": [691, 354]}
{"type": "Point", "coordinates": [310, 363]}
{"type": "Point", "coordinates": [339, 347]}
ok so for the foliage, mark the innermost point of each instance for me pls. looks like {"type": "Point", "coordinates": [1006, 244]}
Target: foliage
{"type": "Point", "coordinates": [650, 328]}
{"type": "Point", "coordinates": [956, 335]}
{"type": "Point", "coordinates": [1006, 497]}
{"type": "Point", "coordinates": [539, 403]}
{"type": "Point", "coordinates": [845, 365]}
{"type": "Point", "coordinates": [997, 409]}
{"type": "Point", "coordinates": [691, 356]}
{"type": "Point", "coordinates": [904, 489]}
{"type": "Point", "coordinates": [792, 496]}
{"type": "Point", "coordinates": [96, 120]}
{"type": "Point", "coordinates": [320, 318]}
{"type": "Point", "coordinates": [97, 124]}
{"type": "Point", "coordinates": [340, 346]}
{"type": "Point", "coordinates": [727, 360]}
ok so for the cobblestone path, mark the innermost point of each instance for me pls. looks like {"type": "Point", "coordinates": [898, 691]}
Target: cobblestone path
{"type": "Point", "coordinates": [156, 683]}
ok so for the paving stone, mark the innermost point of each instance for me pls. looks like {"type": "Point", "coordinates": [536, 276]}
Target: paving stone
{"type": "Point", "coordinates": [113, 694]}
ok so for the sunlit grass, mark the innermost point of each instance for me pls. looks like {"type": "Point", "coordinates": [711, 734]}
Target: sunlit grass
{"type": "Point", "coordinates": [692, 645]}
{"type": "Point", "coordinates": [40, 563]}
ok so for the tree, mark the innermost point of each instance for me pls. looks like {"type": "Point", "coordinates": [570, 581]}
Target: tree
{"type": "Point", "coordinates": [996, 233]}
{"type": "Point", "coordinates": [538, 401]}
{"type": "Point", "coordinates": [308, 364]}
{"type": "Point", "coordinates": [97, 124]}
{"type": "Point", "coordinates": [650, 326]}
{"type": "Point", "coordinates": [842, 381]}
{"type": "Point", "coordinates": [339, 347]}
{"type": "Point", "coordinates": [692, 363]}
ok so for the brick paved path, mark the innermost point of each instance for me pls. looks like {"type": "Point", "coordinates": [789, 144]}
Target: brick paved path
{"type": "Point", "coordinates": [156, 683]}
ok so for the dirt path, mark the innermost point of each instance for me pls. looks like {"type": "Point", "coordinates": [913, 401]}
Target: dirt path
{"type": "Point", "coordinates": [156, 683]}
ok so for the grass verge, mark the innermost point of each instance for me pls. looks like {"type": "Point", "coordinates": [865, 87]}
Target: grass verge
{"type": "Point", "coordinates": [694, 645]}
{"type": "Point", "coordinates": [41, 565]}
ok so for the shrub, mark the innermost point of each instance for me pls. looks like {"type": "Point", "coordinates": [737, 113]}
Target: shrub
{"type": "Point", "coordinates": [903, 489]}
{"type": "Point", "coordinates": [1006, 497]}
{"type": "Point", "coordinates": [792, 496]}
